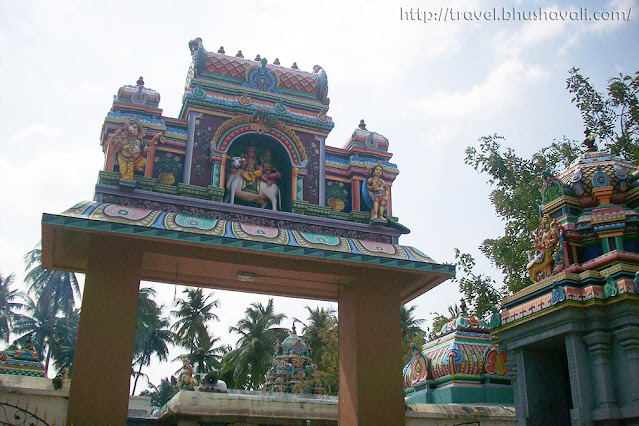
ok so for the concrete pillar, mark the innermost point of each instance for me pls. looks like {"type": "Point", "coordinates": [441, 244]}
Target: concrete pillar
{"type": "Point", "coordinates": [599, 344]}
{"type": "Point", "coordinates": [99, 392]}
{"type": "Point", "coordinates": [628, 337]}
{"type": "Point", "coordinates": [370, 360]}
{"type": "Point", "coordinates": [580, 383]}
{"type": "Point", "coordinates": [518, 380]}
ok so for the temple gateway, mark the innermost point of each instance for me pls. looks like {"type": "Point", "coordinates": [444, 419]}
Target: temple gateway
{"type": "Point", "coordinates": [240, 192]}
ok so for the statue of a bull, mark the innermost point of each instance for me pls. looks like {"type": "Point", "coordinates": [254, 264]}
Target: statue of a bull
{"type": "Point", "coordinates": [234, 185]}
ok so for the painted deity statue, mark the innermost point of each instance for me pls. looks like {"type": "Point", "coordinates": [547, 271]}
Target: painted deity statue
{"type": "Point", "coordinates": [546, 238]}
{"type": "Point", "coordinates": [186, 380]}
{"type": "Point", "coordinates": [269, 172]}
{"type": "Point", "coordinates": [249, 165]}
{"type": "Point", "coordinates": [131, 148]}
{"type": "Point", "coordinates": [378, 190]}
{"type": "Point", "coordinates": [246, 175]}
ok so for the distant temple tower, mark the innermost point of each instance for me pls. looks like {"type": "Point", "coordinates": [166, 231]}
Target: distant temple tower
{"type": "Point", "coordinates": [460, 366]}
{"type": "Point", "coordinates": [573, 335]}
{"type": "Point", "coordinates": [292, 369]}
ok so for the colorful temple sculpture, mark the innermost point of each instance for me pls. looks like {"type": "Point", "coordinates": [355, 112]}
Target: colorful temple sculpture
{"type": "Point", "coordinates": [240, 192]}
{"type": "Point", "coordinates": [461, 366]}
{"type": "Point", "coordinates": [21, 361]}
{"type": "Point", "coordinates": [249, 133]}
{"type": "Point", "coordinates": [573, 335]}
{"type": "Point", "coordinates": [292, 369]}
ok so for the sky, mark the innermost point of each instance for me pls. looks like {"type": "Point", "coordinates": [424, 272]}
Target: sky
{"type": "Point", "coordinates": [431, 85]}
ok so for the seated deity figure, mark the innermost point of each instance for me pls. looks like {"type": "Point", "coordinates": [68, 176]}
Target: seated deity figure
{"type": "Point", "coordinates": [186, 380]}
{"type": "Point", "coordinates": [131, 148]}
{"type": "Point", "coordinates": [378, 190]}
{"type": "Point", "coordinates": [251, 170]}
{"type": "Point", "coordinates": [269, 172]}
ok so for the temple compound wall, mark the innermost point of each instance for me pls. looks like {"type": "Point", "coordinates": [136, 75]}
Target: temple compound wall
{"type": "Point", "coordinates": [573, 335]}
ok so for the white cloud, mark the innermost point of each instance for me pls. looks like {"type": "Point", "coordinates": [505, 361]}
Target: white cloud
{"type": "Point", "coordinates": [503, 87]}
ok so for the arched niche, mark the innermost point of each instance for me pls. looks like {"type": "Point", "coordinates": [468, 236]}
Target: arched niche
{"type": "Point", "coordinates": [280, 158]}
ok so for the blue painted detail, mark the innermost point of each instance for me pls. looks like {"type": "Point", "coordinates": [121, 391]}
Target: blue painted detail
{"type": "Point", "coordinates": [91, 209]}
{"type": "Point", "coordinates": [291, 239]}
{"type": "Point", "coordinates": [228, 230]}
{"type": "Point", "coordinates": [174, 131]}
{"type": "Point", "coordinates": [558, 293]}
{"type": "Point", "coordinates": [600, 179]}
{"type": "Point", "coordinates": [366, 196]}
{"type": "Point", "coordinates": [159, 221]}
{"type": "Point", "coordinates": [354, 249]}
{"type": "Point", "coordinates": [262, 79]}
{"type": "Point", "coordinates": [142, 118]}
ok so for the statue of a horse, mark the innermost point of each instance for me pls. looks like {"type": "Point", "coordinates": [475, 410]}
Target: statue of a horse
{"type": "Point", "coordinates": [235, 183]}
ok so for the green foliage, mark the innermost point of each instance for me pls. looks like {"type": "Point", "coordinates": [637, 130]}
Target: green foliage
{"type": "Point", "coordinates": [441, 319]}
{"type": "Point", "coordinates": [8, 306]}
{"type": "Point", "coordinates": [64, 338]}
{"type": "Point", "coordinates": [319, 319]}
{"type": "Point", "coordinates": [479, 290]}
{"type": "Point", "coordinates": [411, 332]}
{"type": "Point", "coordinates": [162, 394]}
{"type": "Point", "coordinates": [252, 357]}
{"type": "Point", "coordinates": [517, 183]}
{"type": "Point", "coordinates": [328, 366]}
{"type": "Point", "coordinates": [613, 116]}
{"type": "Point", "coordinates": [193, 313]}
{"type": "Point", "coordinates": [152, 333]}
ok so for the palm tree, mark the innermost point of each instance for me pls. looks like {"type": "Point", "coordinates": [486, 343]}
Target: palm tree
{"type": "Point", "coordinates": [319, 320]}
{"type": "Point", "coordinates": [39, 322]}
{"type": "Point", "coordinates": [152, 333]}
{"type": "Point", "coordinates": [441, 319]}
{"type": "Point", "coordinates": [7, 305]}
{"type": "Point", "coordinates": [193, 313]}
{"type": "Point", "coordinates": [411, 332]}
{"type": "Point", "coordinates": [205, 359]}
{"type": "Point", "coordinates": [252, 357]}
{"type": "Point", "coordinates": [57, 286]}
{"type": "Point", "coordinates": [410, 324]}
{"type": "Point", "coordinates": [162, 394]}
{"type": "Point", "coordinates": [63, 345]}
{"type": "Point", "coordinates": [55, 292]}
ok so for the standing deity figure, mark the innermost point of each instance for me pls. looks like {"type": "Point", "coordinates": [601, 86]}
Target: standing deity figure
{"type": "Point", "coordinates": [131, 148]}
{"type": "Point", "coordinates": [378, 190]}
{"type": "Point", "coordinates": [250, 168]}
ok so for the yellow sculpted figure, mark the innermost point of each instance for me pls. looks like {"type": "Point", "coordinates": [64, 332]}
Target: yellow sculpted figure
{"type": "Point", "coordinates": [131, 148]}
{"type": "Point", "coordinates": [378, 190]}
{"type": "Point", "coordinates": [250, 169]}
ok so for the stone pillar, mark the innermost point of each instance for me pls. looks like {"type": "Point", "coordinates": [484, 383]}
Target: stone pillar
{"type": "Point", "coordinates": [99, 392]}
{"type": "Point", "coordinates": [628, 337]}
{"type": "Point", "coordinates": [188, 154]}
{"type": "Point", "coordinates": [599, 343]}
{"type": "Point", "coordinates": [517, 377]}
{"type": "Point", "coordinates": [580, 383]}
{"type": "Point", "coordinates": [370, 387]}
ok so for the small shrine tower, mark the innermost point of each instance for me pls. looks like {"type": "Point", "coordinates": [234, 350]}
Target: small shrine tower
{"type": "Point", "coordinates": [572, 336]}
{"type": "Point", "coordinates": [460, 366]}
